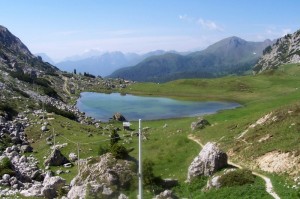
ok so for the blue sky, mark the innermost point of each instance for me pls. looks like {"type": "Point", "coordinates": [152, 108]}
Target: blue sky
{"type": "Point", "coordinates": [62, 28]}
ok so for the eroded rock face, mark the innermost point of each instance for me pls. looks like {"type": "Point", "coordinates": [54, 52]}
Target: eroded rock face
{"type": "Point", "coordinates": [102, 178]}
{"type": "Point", "coordinates": [209, 160]}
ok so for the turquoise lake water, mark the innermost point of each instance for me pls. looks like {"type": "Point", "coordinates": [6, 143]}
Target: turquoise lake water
{"type": "Point", "coordinates": [103, 106]}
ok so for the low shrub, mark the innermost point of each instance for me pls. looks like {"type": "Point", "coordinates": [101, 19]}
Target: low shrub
{"type": "Point", "coordinates": [237, 178]}
{"type": "Point", "coordinates": [20, 92]}
{"type": "Point", "coordinates": [6, 167]}
{"type": "Point", "coordinates": [67, 114]}
{"type": "Point", "coordinates": [11, 112]}
{"type": "Point", "coordinates": [102, 150]}
{"type": "Point", "coordinates": [119, 151]}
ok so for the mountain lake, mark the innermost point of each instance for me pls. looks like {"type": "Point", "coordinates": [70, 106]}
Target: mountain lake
{"type": "Point", "coordinates": [103, 106]}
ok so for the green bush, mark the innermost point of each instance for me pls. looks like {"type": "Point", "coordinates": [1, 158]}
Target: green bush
{"type": "Point", "coordinates": [67, 114]}
{"type": "Point", "coordinates": [102, 150]}
{"type": "Point", "coordinates": [20, 92]}
{"type": "Point", "coordinates": [6, 167]}
{"type": "Point", "coordinates": [148, 175]}
{"type": "Point", "coordinates": [119, 151]}
{"type": "Point", "coordinates": [5, 141]}
{"type": "Point", "coordinates": [8, 110]}
{"type": "Point", "coordinates": [237, 178]}
{"type": "Point", "coordinates": [50, 92]}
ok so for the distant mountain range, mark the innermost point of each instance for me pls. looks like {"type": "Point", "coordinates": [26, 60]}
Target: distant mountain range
{"type": "Point", "coordinates": [45, 58]}
{"type": "Point", "coordinates": [103, 64]}
{"type": "Point", "coordinates": [232, 55]}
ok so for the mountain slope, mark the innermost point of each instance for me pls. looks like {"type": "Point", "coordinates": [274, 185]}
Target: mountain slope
{"type": "Point", "coordinates": [285, 50]}
{"type": "Point", "coordinates": [228, 56]}
{"type": "Point", "coordinates": [14, 55]}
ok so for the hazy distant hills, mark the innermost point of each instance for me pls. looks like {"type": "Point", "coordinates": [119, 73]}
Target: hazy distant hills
{"type": "Point", "coordinates": [103, 64]}
{"type": "Point", "coordinates": [232, 55]}
{"type": "Point", "coordinates": [45, 58]}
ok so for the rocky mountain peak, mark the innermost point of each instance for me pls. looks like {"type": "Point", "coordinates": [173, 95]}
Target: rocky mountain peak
{"type": "Point", "coordinates": [285, 50]}
{"type": "Point", "coordinates": [8, 40]}
{"type": "Point", "coordinates": [15, 56]}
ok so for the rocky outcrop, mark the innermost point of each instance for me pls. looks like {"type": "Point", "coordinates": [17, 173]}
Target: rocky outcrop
{"type": "Point", "coordinates": [48, 188]}
{"type": "Point", "coordinates": [200, 124]}
{"type": "Point", "coordinates": [102, 177]}
{"type": "Point", "coordinates": [285, 50]}
{"type": "Point", "coordinates": [56, 159]}
{"type": "Point", "coordinates": [209, 160]}
{"type": "Point", "coordinates": [119, 117]}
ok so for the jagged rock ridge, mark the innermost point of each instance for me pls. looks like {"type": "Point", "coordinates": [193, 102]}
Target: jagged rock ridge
{"type": "Point", "coordinates": [285, 50]}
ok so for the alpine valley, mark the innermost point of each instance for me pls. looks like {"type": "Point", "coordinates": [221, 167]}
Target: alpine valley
{"type": "Point", "coordinates": [49, 149]}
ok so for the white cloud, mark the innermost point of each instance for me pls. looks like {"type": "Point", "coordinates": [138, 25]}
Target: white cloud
{"type": "Point", "coordinates": [210, 25]}
{"type": "Point", "coordinates": [185, 17]}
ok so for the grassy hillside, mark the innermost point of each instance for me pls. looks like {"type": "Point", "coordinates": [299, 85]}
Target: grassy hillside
{"type": "Point", "coordinates": [172, 152]}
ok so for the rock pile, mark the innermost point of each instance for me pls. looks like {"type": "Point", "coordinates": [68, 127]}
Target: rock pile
{"type": "Point", "coordinates": [102, 179]}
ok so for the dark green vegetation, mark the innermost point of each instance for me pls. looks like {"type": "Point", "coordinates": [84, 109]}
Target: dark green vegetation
{"type": "Point", "coordinates": [6, 167]}
{"type": "Point", "coordinates": [196, 189]}
{"type": "Point", "coordinates": [228, 56]}
{"type": "Point", "coordinates": [237, 178]}
{"type": "Point", "coordinates": [53, 109]}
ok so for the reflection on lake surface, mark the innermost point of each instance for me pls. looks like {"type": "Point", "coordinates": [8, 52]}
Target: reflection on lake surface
{"type": "Point", "coordinates": [103, 106]}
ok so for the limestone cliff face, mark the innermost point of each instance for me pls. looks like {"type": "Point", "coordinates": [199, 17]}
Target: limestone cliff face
{"type": "Point", "coordinates": [285, 50]}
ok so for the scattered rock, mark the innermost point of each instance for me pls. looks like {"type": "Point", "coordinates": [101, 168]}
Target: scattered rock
{"type": "Point", "coordinates": [122, 196]}
{"type": "Point", "coordinates": [72, 157]}
{"type": "Point", "coordinates": [209, 160]}
{"type": "Point", "coordinates": [167, 194]}
{"type": "Point", "coordinates": [56, 159]}
{"type": "Point", "coordinates": [200, 124]}
{"type": "Point", "coordinates": [51, 185]}
{"type": "Point", "coordinates": [26, 149]}
{"type": "Point", "coordinates": [44, 128]}
{"type": "Point", "coordinates": [213, 183]}
{"type": "Point", "coordinates": [119, 117]}
{"type": "Point", "coordinates": [104, 176]}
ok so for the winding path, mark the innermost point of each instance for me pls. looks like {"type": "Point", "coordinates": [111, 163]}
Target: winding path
{"type": "Point", "coordinates": [269, 186]}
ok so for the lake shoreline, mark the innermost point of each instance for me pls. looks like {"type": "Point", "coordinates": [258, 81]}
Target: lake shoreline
{"type": "Point", "coordinates": [103, 106]}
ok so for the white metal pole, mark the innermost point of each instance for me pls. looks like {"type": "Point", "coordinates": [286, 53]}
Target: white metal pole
{"type": "Point", "coordinates": [140, 162]}
{"type": "Point", "coordinates": [78, 158]}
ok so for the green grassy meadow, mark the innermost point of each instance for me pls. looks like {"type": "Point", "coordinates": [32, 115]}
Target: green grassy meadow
{"type": "Point", "coordinates": [171, 150]}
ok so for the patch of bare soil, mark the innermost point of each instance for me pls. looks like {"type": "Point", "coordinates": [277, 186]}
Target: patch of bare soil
{"type": "Point", "coordinates": [278, 162]}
